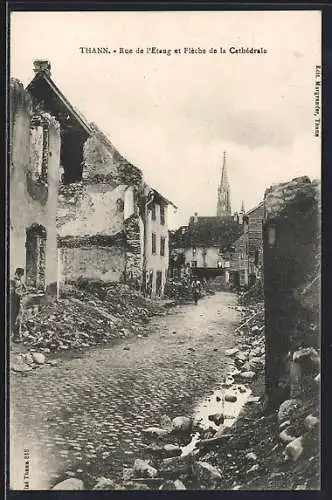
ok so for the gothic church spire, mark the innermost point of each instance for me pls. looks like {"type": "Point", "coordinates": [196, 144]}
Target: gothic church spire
{"type": "Point", "coordinates": [224, 201]}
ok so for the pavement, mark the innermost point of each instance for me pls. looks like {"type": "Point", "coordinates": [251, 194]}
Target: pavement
{"type": "Point", "coordinates": [84, 416]}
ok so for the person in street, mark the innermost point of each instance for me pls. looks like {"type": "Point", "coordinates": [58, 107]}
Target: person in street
{"type": "Point", "coordinates": [195, 290]}
{"type": "Point", "coordinates": [17, 290]}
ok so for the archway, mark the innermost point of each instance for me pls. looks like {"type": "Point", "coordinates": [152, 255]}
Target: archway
{"type": "Point", "coordinates": [35, 256]}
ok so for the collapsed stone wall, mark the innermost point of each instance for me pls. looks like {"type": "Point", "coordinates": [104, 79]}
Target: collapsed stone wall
{"type": "Point", "coordinates": [133, 227]}
{"type": "Point", "coordinates": [291, 238]}
{"type": "Point", "coordinates": [103, 163]}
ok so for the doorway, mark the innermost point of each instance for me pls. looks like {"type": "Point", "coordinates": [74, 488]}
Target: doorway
{"type": "Point", "coordinates": [35, 256]}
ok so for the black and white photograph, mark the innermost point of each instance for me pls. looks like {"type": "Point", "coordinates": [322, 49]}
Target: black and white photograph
{"type": "Point", "coordinates": [164, 250]}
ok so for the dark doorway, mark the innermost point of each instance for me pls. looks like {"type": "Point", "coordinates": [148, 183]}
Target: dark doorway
{"type": "Point", "coordinates": [35, 256]}
{"type": "Point", "coordinates": [158, 282]}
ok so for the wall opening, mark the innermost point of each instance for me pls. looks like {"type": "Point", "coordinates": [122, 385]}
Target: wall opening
{"type": "Point", "coordinates": [35, 256]}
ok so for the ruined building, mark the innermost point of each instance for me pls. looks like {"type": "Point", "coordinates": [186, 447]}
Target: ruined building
{"type": "Point", "coordinates": [34, 173]}
{"type": "Point", "coordinates": [105, 228]}
{"type": "Point", "coordinates": [224, 199]}
{"type": "Point", "coordinates": [292, 248]}
{"type": "Point", "coordinates": [255, 234]}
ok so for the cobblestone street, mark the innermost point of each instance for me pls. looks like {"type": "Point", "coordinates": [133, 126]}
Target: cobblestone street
{"type": "Point", "coordinates": [85, 415]}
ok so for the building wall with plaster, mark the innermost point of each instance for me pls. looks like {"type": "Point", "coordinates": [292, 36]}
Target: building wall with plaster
{"type": "Point", "coordinates": [34, 166]}
{"type": "Point", "coordinates": [156, 264]}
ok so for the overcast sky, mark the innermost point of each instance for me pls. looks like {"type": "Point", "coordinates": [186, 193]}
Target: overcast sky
{"type": "Point", "coordinates": [173, 116]}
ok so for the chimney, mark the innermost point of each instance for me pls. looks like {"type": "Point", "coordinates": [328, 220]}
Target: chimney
{"type": "Point", "coordinates": [41, 65]}
{"type": "Point", "coordinates": [195, 218]}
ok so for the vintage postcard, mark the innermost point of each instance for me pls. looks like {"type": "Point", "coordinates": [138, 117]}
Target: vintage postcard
{"type": "Point", "coordinates": [164, 288]}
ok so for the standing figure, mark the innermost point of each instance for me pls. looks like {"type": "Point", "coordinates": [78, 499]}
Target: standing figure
{"type": "Point", "coordinates": [17, 290]}
{"type": "Point", "coordinates": [195, 290]}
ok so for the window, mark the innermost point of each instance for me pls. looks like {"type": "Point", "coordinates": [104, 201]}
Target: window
{"type": "Point", "coordinates": [194, 263]}
{"type": "Point", "coordinates": [162, 214]}
{"type": "Point", "coordinates": [153, 212]}
{"type": "Point", "coordinates": [194, 251]}
{"type": "Point", "coordinates": [154, 243]}
{"type": "Point", "coordinates": [162, 246]}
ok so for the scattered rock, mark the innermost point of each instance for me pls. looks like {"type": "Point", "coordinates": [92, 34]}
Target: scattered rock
{"type": "Point", "coordinates": [310, 422]}
{"type": "Point", "coordinates": [182, 424]}
{"type": "Point", "coordinates": [171, 450]}
{"type": "Point", "coordinates": [284, 437]}
{"type": "Point", "coordinates": [143, 469]}
{"type": "Point", "coordinates": [251, 456]}
{"type": "Point", "coordinates": [155, 432]}
{"type": "Point", "coordinates": [294, 449]}
{"type": "Point", "coordinates": [288, 409]}
{"type": "Point", "coordinates": [126, 348]}
{"type": "Point", "coordinates": [207, 474]}
{"type": "Point", "coordinates": [177, 466]}
{"type": "Point", "coordinates": [284, 424]}
{"type": "Point", "coordinates": [231, 352]}
{"type": "Point", "coordinates": [253, 399]}
{"type": "Point", "coordinates": [38, 358]}
{"type": "Point", "coordinates": [20, 367]}
{"type": "Point", "coordinates": [173, 485]}
{"type": "Point", "coordinates": [248, 375]}
{"type": "Point", "coordinates": [106, 484]}
{"type": "Point", "coordinates": [253, 468]}
{"type": "Point", "coordinates": [217, 418]}
{"type": "Point", "coordinates": [166, 422]}
{"type": "Point", "coordinates": [317, 378]}
{"type": "Point", "coordinates": [230, 397]}
{"type": "Point", "coordinates": [70, 484]}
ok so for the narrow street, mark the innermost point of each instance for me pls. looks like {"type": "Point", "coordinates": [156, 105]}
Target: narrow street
{"type": "Point", "coordinates": [85, 415]}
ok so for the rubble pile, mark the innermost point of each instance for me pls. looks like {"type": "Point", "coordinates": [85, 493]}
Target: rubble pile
{"type": "Point", "coordinates": [88, 313]}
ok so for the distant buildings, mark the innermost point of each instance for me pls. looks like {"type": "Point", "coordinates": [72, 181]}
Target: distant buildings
{"type": "Point", "coordinates": [213, 247]}
{"type": "Point", "coordinates": [103, 222]}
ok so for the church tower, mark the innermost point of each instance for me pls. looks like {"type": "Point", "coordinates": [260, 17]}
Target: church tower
{"type": "Point", "coordinates": [224, 201]}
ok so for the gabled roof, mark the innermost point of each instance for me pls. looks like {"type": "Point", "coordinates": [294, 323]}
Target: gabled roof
{"type": "Point", "coordinates": [73, 111]}
{"type": "Point", "coordinates": [165, 200]}
{"type": "Point", "coordinates": [260, 205]}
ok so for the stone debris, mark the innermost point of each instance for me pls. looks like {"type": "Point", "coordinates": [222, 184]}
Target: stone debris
{"type": "Point", "coordinates": [155, 432]}
{"type": "Point", "coordinates": [310, 422]}
{"type": "Point", "coordinates": [251, 456]}
{"type": "Point", "coordinates": [207, 474]}
{"type": "Point", "coordinates": [177, 466]}
{"type": "Point", "coordinates": [217, 418]}
{"type": "Point", "coordinates": [286, 438]}
{"type": "Point", "coordinates": [88, 313]}
{"type": "Point", "coordinates": [182, 424]}
{"type": "Point", "coordinates": [70, 484]}
{"type": "Point", "coordinates": [106, 484]}
{"type": "Point", "coordinates": [173, 485]}
{"type": "Point", "coordinates": [288, 409]}
{"type": "Point", "coordinates": [144, 469]}
{"type": "Point", "coordinates": [230, 397]}
{"type": "Point", "coordinates": [38, 358]}
{"type": "Point", "coordinates": [294, 449]}
{"type": "Point", "coordinates": [231, 352]}
{"type": "Point", "coordinates": [166, 422]}
{"type": "Point", "coordinates": [253, 468]}
{"type": "Point", "coordinates": [248, 375]}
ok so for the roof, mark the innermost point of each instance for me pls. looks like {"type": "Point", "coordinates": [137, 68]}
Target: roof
{"type": "Point", "coordinates": [260, 205]}
{"type": "Point", "coordinates": [77, 115]}
{"type": "Point", "coordinates": [165, 200]}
